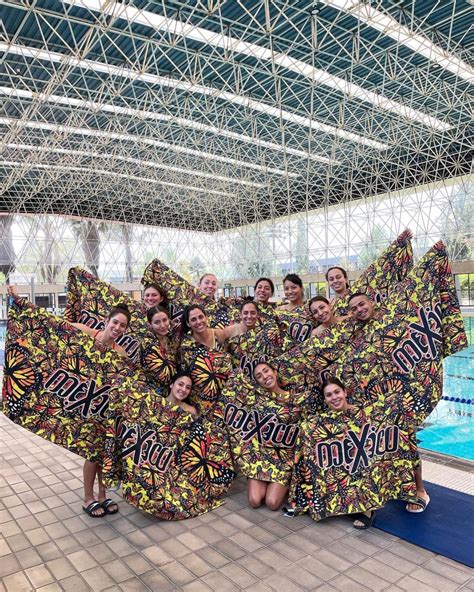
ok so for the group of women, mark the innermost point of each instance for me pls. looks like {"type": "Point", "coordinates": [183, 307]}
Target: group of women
{"type": "Point", "coordinates": [177, 342]}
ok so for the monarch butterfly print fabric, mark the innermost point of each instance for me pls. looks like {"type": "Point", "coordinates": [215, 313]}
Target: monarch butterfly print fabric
{"type": "Point", "coordinates": [209, 369]}
{"type": "Point", "coordinates": [298, 323]}
{"type": "Point", "coordinates": [353, 461]}
{"type": "Point", "coordinates": [383, 275]}
{"type": "Point", "coordinates": [401, 350]}
{"type": "Point", "coordinates": [159, 363]}
{"type": "Point", "coordinates": [262, 428]}
{"type": "Point", "coordinates": [262, 344]}
{"type": "Point", "coordinates": [172, 464]}
{"type": "Point", "coordinates": [89, 301]}
{"type": "Point", "coordinates": [180, 293]}
{"type": "Point", "coordinates": [57, 380]}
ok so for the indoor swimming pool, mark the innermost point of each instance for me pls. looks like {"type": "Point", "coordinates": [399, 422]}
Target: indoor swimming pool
{"type": "Point", "coordinates": [450, 428]}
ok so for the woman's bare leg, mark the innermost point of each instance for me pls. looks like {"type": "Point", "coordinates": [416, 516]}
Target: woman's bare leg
{"type": "Point", "coordinates": [275, 496]}
{"type": "Point", "coordinates": [256, 492]}
{"type": "Point", "coordinates": [89, 472]}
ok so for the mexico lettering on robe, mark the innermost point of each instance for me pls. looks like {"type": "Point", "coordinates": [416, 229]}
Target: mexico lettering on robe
{"type": "Point", "coordinates": [248, 364]}
{"type": "Point", "coordinates": [300, 331]}
{"type": "Point", "coordinates": [80, 397]}
{"type": "Point", "coordinates": [357, 449]}
{"type": "Point", "coordinates": [140, 443]}
{"type": "Point", "coordinates": [424, 336]}
{"type": "Point", "coordinates": [129, 343]}
{"type": "Point", "coordinates": [265, 427]}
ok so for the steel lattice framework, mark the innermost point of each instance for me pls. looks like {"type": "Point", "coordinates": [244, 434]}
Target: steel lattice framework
{"type": "Point", "coordinates": [221, 114]}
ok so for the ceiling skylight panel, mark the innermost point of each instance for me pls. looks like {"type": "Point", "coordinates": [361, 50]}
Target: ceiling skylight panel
{"type": "Point", "coordinates": [148, 141]}
{"type": "Point", "coordinates": [176, 27]}
{"type": "Point", "coordinates": [154, 115]}
{"type": "Point", "coordinates": [403, 35]}
{"type": "Point", "coordinates": [105, 172]}
{"type": "Point", "coordinates": [137, 161]}
{"type": "Point", "coordinates": [121, 71]}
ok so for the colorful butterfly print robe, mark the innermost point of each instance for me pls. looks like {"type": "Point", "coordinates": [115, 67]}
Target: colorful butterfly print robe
{"type": "Point", "coordinates": [209, 369]}
{"type": "Point", "coordinates": [262, 344]}
{"type": "Point", "coordinates": [159, 363]}
{"type": "Point", "coordinates": [297, 322]}
{"type": "Point", "coordinates": [89, 301]}
{"type": "Point", "coordinates": [180, 293]}
{"type": "Point", "coordinates": [173, 465]}
{"type": "Point", "coordinates": [383, 275]}
{"type": "Point", "coordinates": [57, 380]}
{"type": "Point", "coordinates": [353, 461]}
{"type": "Point", "coordinates": [262, 428]}
{"type": "Point", "coordinates": [402, 349]}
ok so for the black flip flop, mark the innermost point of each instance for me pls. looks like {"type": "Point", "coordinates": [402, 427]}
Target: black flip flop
{"type": "Point", "coordinates": [366, 520]}
{"type": "Point", "coordinates": [106, 505]}
{"type": "Point", "coordinates": [94, 506]}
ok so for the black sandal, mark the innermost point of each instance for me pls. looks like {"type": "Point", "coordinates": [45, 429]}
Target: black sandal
{"type": "Point", "coordinates": [289, 512]}
{"type": "Point", "coordinates": [106, 506]}
{"type": "Point", "coordinates": [92, 507]}
{"type": "Point", "coordinates": [366, 520]}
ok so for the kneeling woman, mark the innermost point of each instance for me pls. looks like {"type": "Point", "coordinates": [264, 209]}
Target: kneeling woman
{"type": "Point", "coordinates": [260, 492]}
{"type": "Point", "coordinates": [352, 458]}
{"type": "Point", "coordinates": [115, 326]}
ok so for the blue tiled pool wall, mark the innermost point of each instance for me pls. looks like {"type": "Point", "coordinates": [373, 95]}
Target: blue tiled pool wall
{"type": "Point", "coordinates": [469, 326]}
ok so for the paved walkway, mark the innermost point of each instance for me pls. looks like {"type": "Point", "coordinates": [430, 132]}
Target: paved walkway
{"type": "Point", "coordinates": [48, 544]}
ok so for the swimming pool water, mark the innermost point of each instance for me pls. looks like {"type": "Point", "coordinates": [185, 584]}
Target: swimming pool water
{"type": "Point", "coordinates": [450, 428]}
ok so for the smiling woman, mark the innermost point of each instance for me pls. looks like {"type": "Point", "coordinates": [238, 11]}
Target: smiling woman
{"type": "Point", "coordinates": [265, 492]}
{"type": "Point", "coordinates": [115, 326]}
{"type": "Point", "coordinates": [208, 284]}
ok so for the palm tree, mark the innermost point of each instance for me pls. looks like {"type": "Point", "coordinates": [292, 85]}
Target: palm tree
{"type": "Point", "coordinates": [88, 232]}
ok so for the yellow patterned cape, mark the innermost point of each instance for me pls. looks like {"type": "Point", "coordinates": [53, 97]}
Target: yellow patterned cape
{"type": "Point", "coordinates": [402, 349]}
{"type": "Point", "coordinates": [57, 380]}
{"type": "Point", "coordinates": [64, 386]}
{"type": "Point", "coordinates": [172, 464]}
{"type": "Point", "coordinates": [382, 276]}
{"type": "Point", "coordinates": [262, 428]}
{"type": "Point", "coordinates": [353, 461]}
{"type": "Point", "coordinates": [180, 293]}
{"type": "Point", "coordinates": [261, 344]}
{"type": "Point", "coordinates": [89, 301]}
{"type": "Point", "coordinates": [209, 369]}
{"type": "Point", "coordinates": [392, 368]}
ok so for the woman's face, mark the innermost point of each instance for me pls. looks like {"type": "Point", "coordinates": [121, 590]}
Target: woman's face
{"type": "Point", "coordinates": [335, 397]}
{"type": "Point", "coordinates": [151, 297]}
{"type": "Point", "coordinates": [208, 285]}
{"type": "Point", "coordinates": [181, 388]}
{"type": "Point", "coordinates": [160, 324]}
{"type": "Point", "coordinates": [197, 321]}
{"type": "Point", "coordinates": [293, 292]}
{"type": "Point", "coordinates": [266, 377]}
{"type": "Point", "coordinates": [263, 292]}
{"type": "Point", "coordinates": [320, 311]}
{"type": "Point", "coordinates": [249, 315]}
{"type": "Point", "coordinates": [116, 326]}
{"type": "Point", "coordinates": [336, 280]}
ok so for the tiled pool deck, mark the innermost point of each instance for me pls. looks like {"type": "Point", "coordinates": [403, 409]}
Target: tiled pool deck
{"type": "Point", "coordinates": [47, 543]}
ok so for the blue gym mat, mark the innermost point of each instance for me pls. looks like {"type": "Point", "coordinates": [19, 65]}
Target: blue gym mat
{"type": "Point", "coordinates": [445, 527]}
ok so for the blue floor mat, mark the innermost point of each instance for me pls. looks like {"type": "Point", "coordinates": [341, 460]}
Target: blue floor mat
{"type": "Point", "coordinates": [446, 527]}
